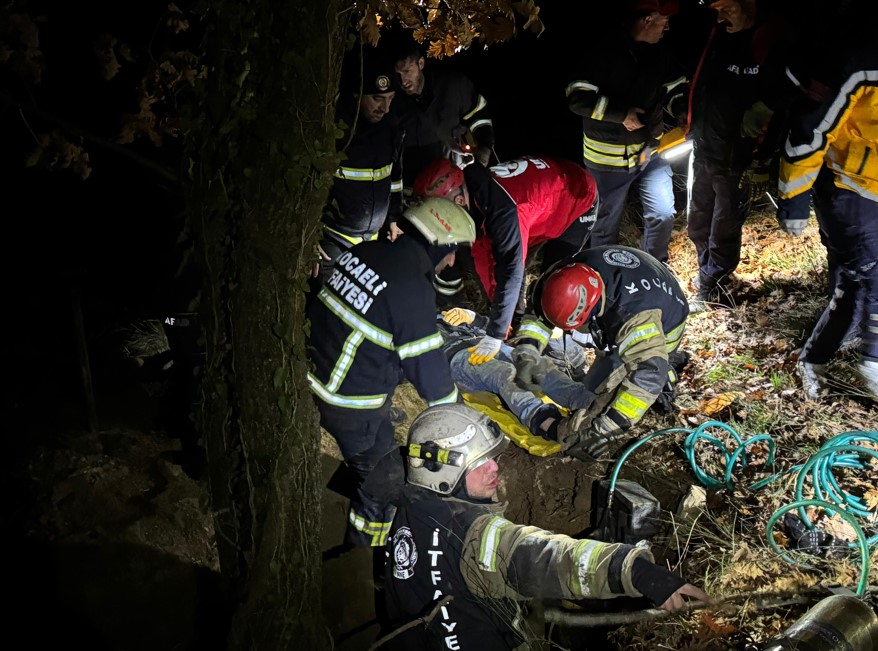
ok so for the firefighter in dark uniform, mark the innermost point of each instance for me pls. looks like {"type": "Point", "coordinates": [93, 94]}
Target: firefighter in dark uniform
{"type": "Point", "coordinates": [373, 323]}
{"type": "Point", "coordinates": [450, 539]}
{"type": "Point", "coordinates": [627, 83]}
{"type": "Point", "coordinates": [367, 189]}
{"type": "Point", "coordinates": [636, 313]}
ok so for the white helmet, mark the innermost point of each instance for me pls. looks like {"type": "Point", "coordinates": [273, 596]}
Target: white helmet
{"type": "Point", "coordinates": [441, 221]}
{"type": "Point", "coordinates": [446, 442]}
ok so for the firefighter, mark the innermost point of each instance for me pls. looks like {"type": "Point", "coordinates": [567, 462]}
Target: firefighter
{"type": "Point", "coordinates": [367, 188]}
{"type": "Point", "coordinates": [738, 73]}
{"type": "Point", "coordinates": [632, 306]}
{"type": "Point", "coordinates": [450, 539]}
{"type": "Point", "coordinates": [372, 323]}
{"type": "Point", "coordinates": [627, 83]}
{"type": "Point", "coordinates": [516, 206]}
{"type": "Point", "coordinates": [831, 151]}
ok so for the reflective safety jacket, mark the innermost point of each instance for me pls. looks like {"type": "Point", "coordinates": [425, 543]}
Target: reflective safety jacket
{"type": "Point", "coordinates": [367, 188]}
{"type": "Point", "coordinates": [517, 205]}
{"type": "Point", "coordinates": [839, 130]}
{"type": "Point", "coordinates": [444, 546]}
{"type": "Point", "coordinates": [640, 318]}
{"type": "Point", "coordinates": [617, 74]}
{"type": "Point", "coordinates": [373, 322]}
{"type": "Point", "coordinates": [449, 111]}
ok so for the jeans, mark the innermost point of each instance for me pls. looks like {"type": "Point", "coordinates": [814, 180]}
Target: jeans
{"type": "Point", "coordinates": [656, 195]}
{"type": "Point", "coordinates": [716, 220]}
{"type": "Point", "coordinates": [851, 227]}
{"type": "Point", "coordinates": [498, 376]}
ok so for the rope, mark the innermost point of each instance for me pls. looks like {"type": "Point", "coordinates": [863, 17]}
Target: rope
{"type": "Point", "coordinates": [839, 452]}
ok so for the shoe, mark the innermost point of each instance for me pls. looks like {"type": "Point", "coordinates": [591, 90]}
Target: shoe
{"type": "Point", "coordinates": [868, 372]}
{"type": "Point", "coordinates": [678, 360]}
{"type": "Point", "coordinates": [814, 379]}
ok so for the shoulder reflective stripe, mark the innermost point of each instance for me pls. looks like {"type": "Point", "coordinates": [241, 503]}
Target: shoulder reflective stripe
{"type": "Point", "coordinates": [489, 544]}
{"type": "Point", "coordinates": [480, 123]}
{"type": "Point", "coordinates": [671, 85]}
{"type": "Point", "coordinates": [480, 104]}
{"type": "Point", "coordinates": [377, 530]}
{"type": "Point", "coordinates": [363, 173]}
{"type": "Point", "coordinates": [588, 553]}
{"type": "Point", "coordinates": [832, 114]}
{"type": "Point", "coordinates": [343, 364]}
{"type": "Point", "coordinates": [351, 238]}
{"type": "Point", "coordinates": [647, 331]}
{"type": "Point", "coordinates": [451, 397]}
{"type": "Point", "coordinates": [351, 402]}
{"type": "Point", "coordinates": [373, 334]}
{"type": "Point", "coordinates": [579, 85]}
{"type": "Point", "coordinates": [599, 108]}
{"type": "Point", "coordinates": [419, 347]}
{"type": "Point", "coordinates": [605, 147]}
{"type": "Point", "coordinates": [534, 330]}
{"type": "Point", "coordinates": [674, 336]}
{"type": "Point", "coordinates": [630, 406]}
{"type": "Point", "coordinates": [796, 186]}
{"type": "Point", "coordinates": [396, 186]}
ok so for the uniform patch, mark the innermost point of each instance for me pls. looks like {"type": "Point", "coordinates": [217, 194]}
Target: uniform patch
{"type": "Point", "coordinates": [405, 554]}
{"type": "Point", "coordinates": [382, 83]}
{"type": "Point", "coordinates": [620, 258]}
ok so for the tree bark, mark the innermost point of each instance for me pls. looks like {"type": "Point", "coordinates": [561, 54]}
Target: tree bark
{"type": "Point", "coordinates": [261, 152]}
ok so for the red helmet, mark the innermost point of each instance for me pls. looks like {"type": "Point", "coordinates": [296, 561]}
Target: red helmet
{"type": "Point", "coordinates": [441, 178]}
{"type": "Point", "coordinates": [570, 294]}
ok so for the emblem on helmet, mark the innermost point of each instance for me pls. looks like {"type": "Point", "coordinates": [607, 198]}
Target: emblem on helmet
{"type": "Point", "coordinates": [382, 82]}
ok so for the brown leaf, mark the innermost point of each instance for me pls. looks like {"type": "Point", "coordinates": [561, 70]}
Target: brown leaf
{"type": "Point", "coordinates": [715, 405]}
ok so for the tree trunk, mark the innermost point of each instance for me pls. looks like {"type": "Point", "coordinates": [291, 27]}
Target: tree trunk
{"type": "Point", "coordinates": [261, 154]}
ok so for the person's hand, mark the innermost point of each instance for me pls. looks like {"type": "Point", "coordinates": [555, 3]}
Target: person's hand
{"type": "Point", "coordinates": [755, 120]}
{"type": "Point", "coordinates": [322, 258]}
{"type": "Point", "coordinates": [632, 120]}
{"type": "Point", "coordinates": [527, 365]}
{"type": "Point", "coordinates": [458, 316]}
{"type": "Point", "coordinates": [393, 232]}
{"type": "Point", "coordinates": [485, 351]}
{"type": "Point", "coordinates": [677, 600]}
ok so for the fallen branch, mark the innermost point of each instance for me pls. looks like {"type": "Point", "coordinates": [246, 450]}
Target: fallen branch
{"type": "Point", "coordinates": [756, 600]}
{"type": "Point", "coordinates": [425, 620]}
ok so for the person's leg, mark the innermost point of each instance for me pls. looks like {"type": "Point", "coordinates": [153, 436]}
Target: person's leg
{"type": "Point", "coordinates": [363, 436]}
{"type": "Point", "coordinates": [728, 224]}
{"type": "Point", "coordinates": [657, 196]}
{"type": "Point", "coordinates": [700, 217]}
{"type": "Point", "coordinates": [613, 191]}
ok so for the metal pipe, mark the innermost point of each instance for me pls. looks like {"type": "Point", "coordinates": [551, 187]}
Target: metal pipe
{"type": "Point", "coordinates": [836, 623]}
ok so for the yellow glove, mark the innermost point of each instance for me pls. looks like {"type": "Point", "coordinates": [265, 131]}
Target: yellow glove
{"type": "Point", "coordinates": [486, 350]}
{"type": "Point", "coordinates": [458, 316]}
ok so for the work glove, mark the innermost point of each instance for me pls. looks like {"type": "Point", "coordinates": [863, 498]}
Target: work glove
{"type": "Point", "coordinates": [793, 214]}
{"type": "Point", "coordinates": [755, 120]}
{"type": "Point", "coordinates": [458, 316]}
{"type": "Point", "coordinates": [591, 442]}
{"type": "Point", "coordinates": [486, 350]}
{"type": "Point", "coordinates": [526, 358]}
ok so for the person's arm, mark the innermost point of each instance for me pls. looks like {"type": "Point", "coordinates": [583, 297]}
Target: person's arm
{"type": "Point", "coordinates": [642, 347]}
{"type": "Point", "coordinates": [395, 209]}
{"type": "Point", "coordinates": [477, 119]}
{"type": "Point", "coordinates": [586, 98]}
{"type": "Point", "coordinates": [503, 559]}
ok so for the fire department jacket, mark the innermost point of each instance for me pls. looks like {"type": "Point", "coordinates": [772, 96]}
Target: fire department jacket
{"type": "Point", "coordinates": [367, 188]}
{"type": "Point", "coordinates": [838, 130]}
{"type": "Point", "coordinates": [738, 71]}
{"type": "Point", "coordinates": [640, 318]}
{"type": "Point", "coordinates": [617, 74]}
{"type": "Point", "coordinates": [373, 322]}
{"type": "Point", "coordinates": [466, 549]}
{"type": "Point", "coordinates": [449, 111]}
{"type": "Point", "coordinates": [517, 205]}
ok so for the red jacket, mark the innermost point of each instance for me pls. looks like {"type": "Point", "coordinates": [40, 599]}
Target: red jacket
{"type": "Point", "coordinates": [517, 205]}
